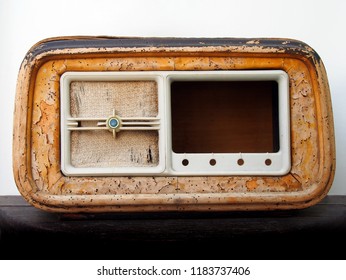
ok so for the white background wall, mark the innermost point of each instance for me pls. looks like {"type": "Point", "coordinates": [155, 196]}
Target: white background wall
{"type": "Point", "coordinates": [321, 24]}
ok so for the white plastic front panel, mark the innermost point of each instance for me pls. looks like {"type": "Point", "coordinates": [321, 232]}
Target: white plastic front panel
{"type": "Point", "coordinates": [227, 163]}
{"type": "Point", "coordinates": [171, 163]}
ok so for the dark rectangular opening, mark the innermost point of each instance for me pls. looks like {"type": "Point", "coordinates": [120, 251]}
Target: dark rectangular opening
{"type": "Point", "coordinates": [225, 116]}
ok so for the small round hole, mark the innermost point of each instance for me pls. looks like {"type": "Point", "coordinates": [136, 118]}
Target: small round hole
{"type": "Point", "coordinates": [185, 162]}
{"type": "Point", "coordinates": [268, 162]}
{"type": "Point", "coordinates": [212, 162]}
{"type": "Point", "coordinates": [240, 161]}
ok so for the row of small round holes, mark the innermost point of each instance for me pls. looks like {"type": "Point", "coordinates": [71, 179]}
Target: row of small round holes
{"type": "Point", "coordinates": [212, 162]}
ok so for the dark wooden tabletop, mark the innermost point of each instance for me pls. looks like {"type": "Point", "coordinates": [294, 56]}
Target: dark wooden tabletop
{"type": "Point", "coordinates": [318, 232]}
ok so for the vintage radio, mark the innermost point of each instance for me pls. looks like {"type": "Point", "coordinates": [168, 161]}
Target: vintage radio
{"type": "Point", "coordinates": [166, 124]}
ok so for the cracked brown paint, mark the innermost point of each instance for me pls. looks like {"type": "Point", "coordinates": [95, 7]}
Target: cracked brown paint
{"type": "Point", "coordinates": [36, 149]}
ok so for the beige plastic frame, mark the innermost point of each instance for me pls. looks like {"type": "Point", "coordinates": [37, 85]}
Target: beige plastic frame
{"type": "Point", "coordinates": [170, 163]}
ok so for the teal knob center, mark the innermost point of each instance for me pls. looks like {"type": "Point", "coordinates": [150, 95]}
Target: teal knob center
{"type": "Point", "coordinates": [113, 122]}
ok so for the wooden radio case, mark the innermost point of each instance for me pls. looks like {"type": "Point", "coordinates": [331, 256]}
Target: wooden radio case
{"type": "Point", "coordinates": [107, 124]}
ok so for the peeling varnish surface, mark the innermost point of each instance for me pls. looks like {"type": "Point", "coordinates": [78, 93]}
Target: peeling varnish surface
{"type": "Point", "coordinates": [45, 131]}
{"type": "Point", "coordinates": [304, 186]}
